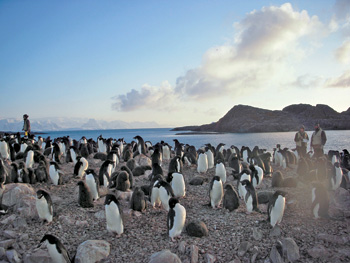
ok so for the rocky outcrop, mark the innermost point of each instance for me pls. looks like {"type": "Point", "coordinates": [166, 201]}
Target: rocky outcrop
{"type": "Point", "coordinates": [243, 118]}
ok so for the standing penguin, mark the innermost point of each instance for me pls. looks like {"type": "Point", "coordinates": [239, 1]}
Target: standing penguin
{"type": "Point", "coordinates": [231, 199]}
{"type": "Point", "coordinates": [202, 163]}
{"type": "Point", "coordinates": [257, 175]}
{"type": "Point", "coordinates": [154, 191]}
{"type": "Point", "coordinates": [114, 216]}
{"type": "Point", "coordinates": [3, 174]}
{"type": "Point", "coordinates": [57, 251]}
{"type": "Point", "coordinates": [276, 207]}
{"type": "Point", "coordinates": [4, 149]}
{"type": "Point", "coordinates": [337, 177]}
{"type": "Point", "coordinates": [320, 201]}
{"type": "Point", "coordinates": [55, 174]}
{"type": "Point", "coordinates": [105, 172]}
{"type": "Point", "coordinates": [220, 170]}
{"type": "Point", "coordinates": [141, 146]}
{"type": "Point", "coordinates": [73, 154]}
{"type": "Point", "coordinates": [216, 192]}
{"type": "Point", "coordinates": [123, 183]}
{"type": "Point", "coordinates": [166, 151]}
{"type": "Point", "coordinates": [175, 165]}
{"type": "Point", "coordinates": [210, 156]}
{"type": "Point", "coordinates": [93, 183]}
{"type": "Point", "coordinates": [176, 218]}
{"type": "Point", "coordinates": [177, 183]}
{"type": "Point", "coordinates": [165, 193]}
{"type": "Point", "coordinates": [137, 201]}
{"type": "Point", "coordinates": [235, 163]}
{"type": "Point", "coordinates": [130, 173]}
{"type": "Point", "coordinates": [80, 167]}
{"type": "Point", "coordinates": [29, 157]}
{"type": "Point", "coordinates": [85, 196]}
{"type": "Point", "coordinates": [41, 172]}
{"type": "Point", "coordinates": [250, 197]}
{"type": "Point", "coordinates": [245, 175]}
{"type": "Point", "coordinates": [44, 206]}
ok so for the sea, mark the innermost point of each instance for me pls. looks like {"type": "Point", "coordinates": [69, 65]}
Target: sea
{"type": "Point", "coordinates": [336, 140]}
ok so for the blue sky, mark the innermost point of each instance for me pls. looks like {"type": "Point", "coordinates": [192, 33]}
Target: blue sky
{"type": "Point", "coordinates": [173, 62]}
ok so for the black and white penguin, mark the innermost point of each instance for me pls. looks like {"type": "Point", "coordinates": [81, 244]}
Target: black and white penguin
{"type": "Point", "coordinates": [220, 170]}
{"type": "Point", "coordinates": [189, 159]}
{"type": "Point", "coordinates": [231, 199]}
{"type": "Point", "coordinates": [80, 167]}
{"type": "Point", "coordinates": [177, 183]}
{"type": "Point", "coordinates": [114, 215]}
{"type": "Point", "coordinates": [175, 165]}
{"type": "Point", "coordinates": [176, 218]}
{"type": "Point", "coordinates": [235, 163]}
{"type": "Point", "coordinates": [216, 192]}
{"type": "Point", "coordinates": [93, 183]}
{"type": "Point", "coordinates": [166, 151]}
{"type": "Point", "coordinates": [154, 191]}
{"type": "Point", "coordinates": [250, 197]}
{"type": "Point", "coordinates": [101, 144]}
{"type": "Point", "coordinates": [3, 174]}
{"type": "Point", "coordinates": [85, 196]}
{"type": "Point", "coordinates": [141, 146]}
{"type": "Point", "coordinates": [165, 192]}
{"type": "Point", "coordinates": [23, 174]}
{"type": "Point", "coordinates": [244, 175]}
{"type": "Point", "coordinates": [320, 201]}
{"type": "Point", "coordinates": [29, 157]}
{"type": "Point", "coordinates": [73, 154]}
{"type": "Point", "coordinates": [210, 157]}
{"type": "Point", "coordinates": [257, 175]}
{"type": "Point", "coordinates": [55, 174]}
{"type": "Point", "coordinates": [156, 169]}
{"type": "Point", "coordinates": [178, 149]}
{"type": "Point", "coordinates": [202, 163]}
{"type": "Point", "coordinates": [123, 183]}
{"type": "Point", "coordinates": [56, 153]}
{"type": "Point", "coordinates": [114, 156]}
{"type": "Point", "coordinates": [336, 179]}
{"type": "Point", "coordinates": [44, 206]}
{"type": "Point", "coordinates": [105, 172]}
{"type": "Point", "coordinates": [156, 157]}
{"type": "Point", "coordinates": [4, 149]}
{"type": "Point", "coordinates": [276, 207]}
{"type": "Point", "coordinates": [137, 201]}
{"type": "Point", "coordinates": [56, 249]}
{"type": "Point", "coordinates": [246, 154]}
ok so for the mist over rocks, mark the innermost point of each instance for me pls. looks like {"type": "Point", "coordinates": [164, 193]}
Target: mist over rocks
{"type": "Point", "coordinates": [245, 119]}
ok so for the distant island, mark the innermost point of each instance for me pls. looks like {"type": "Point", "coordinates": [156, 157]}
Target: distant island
{"type": "Point", "coordinates": [245, 119]}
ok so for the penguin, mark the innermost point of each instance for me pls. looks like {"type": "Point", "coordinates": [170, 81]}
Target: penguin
{"type": "Point", "coordinates": [131, 175]}
{"type": "Point", "coordinates": [276, 207]}
{"type": "Point", "coordinates": [55, 174]}
{"type": "Point", "coordinates": [102, 148]}
{"type": "Point", "coordinates": [202, 163]}
{"type": "Point", "coordinates": [177, 183]}
{"type": "Point", "coordinates": [85, 196]}
{"type": "Point", "coordinates": [210, 157]}
{"type": "Point", "coordinates": [41, 172]}
{"type": "Point", "coordinates": [156, 157]}
{"type": "Point", "coordinates": [165, 192]}
{"type": "Point", "coordinates": [166, 151]}
{"type": "Point", "coordinates": [123, 183]}
{"type": "Point", "coordinates": [246, 154]}
{"type": "Point", "coordinates": [137, 201]}
{"type": "Point", "coordinates": [231, 199]}
{"type": "Point", "coordinates": [141, 146]}
{"type": "Point", "coordinates": [277, 179]}
{"type": "Point", "coordinates": [105, 172]}
{"type": "Point", "coordinates": [3, 174]}
{"type": "Point", "coordinates": [83, 148]}
{"type": "Point", "coordinates": [156, 169]}
{"type": "Point", "coordinates": [250, 197]}
{"type": "Point", "coordinates": [245, 175]}
{"type": "Point", "coordinates": [176, 218]}
{"type": "Point", "coordinates": [57, 251]}
{"type": "Point", "coordinates": [73, 154]}
{"type": "Point", "coordinates": [220, 170]}
{"type": "Point", "coordinates": [216, 192]}
{"type": "Point", "coordinates": [114, 215]}
{"type": "Point", "coordinates": [43, 205]}
{"type": "Point", "coordinates": [56, 153]}
{"type": "Point", "coordinates": [257, 175]}
{"type": "Point", "coordinates": [93, 183]}
{"type": "Point", "coordinates": [140, 170]}
{"type": "Point", "coordinates": [320, 201]}
{"type": "Point", "coordinates": [14, 173]}
{"type": "Point", "coordinates": [23, 174]}
{"type": "Point", "coordinates": [235, 163]}
{"type": "Point", "coordinates": [113, 156]}
{"type": "Point", "coordinates": [266, 158]}
{"type": "Point", "coordinates": [80, 167]}
{"type": "Point", "coordinates": [189, 159]}
{"type": "Point", "coordinates": [128, 154]}
{"type": "Point", "coordinates": [175, 165]}
{"type": "Point", "coordinates": [337, 178]}
{"type": "Point", "coordinates": [4, 150]}
{"type": "Point", "coordinates": [131, 164]}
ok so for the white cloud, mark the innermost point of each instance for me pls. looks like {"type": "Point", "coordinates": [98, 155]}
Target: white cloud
{"type": "Point", "coordinates": [308, 81]}
{"type": "Point", "coordinates": [342, 81]}
{"type": "Point", "coordinates": [342, 54]}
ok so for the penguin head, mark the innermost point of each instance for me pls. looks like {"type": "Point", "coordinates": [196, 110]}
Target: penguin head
{"type": "Point", "coordinates": [216, 178]}
{"type": "Point", "coordinates": [173, 201]}
{"type": "Point", "coordinates": [228, 187]}
{"type": "Point", "coordinates": [252, 167]}
{"type": "Point", "coordinates": [81, 184]}
{"type": "Point", "coordinates": [40, 193]}
{"type": "Point", "coordinates": [282, 193]}
{"type": "Point", "coordinates": [111, 198]}
{"type": "Point", "coordinates": [49, 238]}
{"type": "Point", "coordinates": [90, 171]}
{"type": "Point", "coordinates": [123, 176]}
{"type": "Point", "coordinates": [169, 178]}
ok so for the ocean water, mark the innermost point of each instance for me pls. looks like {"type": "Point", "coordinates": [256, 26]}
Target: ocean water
{"type": "Point", "coordinates": [336, 140]}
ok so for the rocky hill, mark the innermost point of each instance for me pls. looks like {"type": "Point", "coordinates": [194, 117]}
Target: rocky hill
{"type": "Point", "coordinates": [243, 118]}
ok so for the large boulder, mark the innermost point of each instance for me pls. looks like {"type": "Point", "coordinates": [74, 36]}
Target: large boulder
{"type": "Point", "coordinates": [92, 251]}
{"type": "Point", "coordinates": [38, 256]}
{"type": "Point", "coordinates": [164, 256]}
{"type": "Point", "coordinates": [142, 159]}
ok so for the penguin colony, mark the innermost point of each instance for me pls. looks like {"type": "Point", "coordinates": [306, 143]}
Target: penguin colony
{"type": "Point", "coordinates": [38, 162]}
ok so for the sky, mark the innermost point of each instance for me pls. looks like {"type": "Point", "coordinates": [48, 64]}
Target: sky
{"type": "Point", "coordinates": [173, 62]}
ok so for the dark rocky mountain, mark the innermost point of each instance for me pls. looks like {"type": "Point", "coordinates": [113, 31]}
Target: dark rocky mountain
{"type": "Point", "coordinates": [243, 118]}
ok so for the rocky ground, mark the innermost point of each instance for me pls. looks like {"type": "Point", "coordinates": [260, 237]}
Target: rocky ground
{"type": "Point", "coordinates": [233, 236]}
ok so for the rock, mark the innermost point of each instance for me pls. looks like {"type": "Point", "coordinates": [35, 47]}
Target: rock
{"type": "Point", "coordinates": [194, 254]}
{"type": "Point", "coordinates": [100, 156]}
{"type": "Point", "coordinates": [341, 240]}
{"type": "Point", "coordinates": [236, 260]}
{"type": "Point", "coordinates": [6, 244]}
{"type": "Point", "coordinates": [66, 220]}
{"type": "Point", "coordinates": [8, 220]}
{"type": "Point", "coordinates": [243, 248]}
{"type": "Point", "coordinates": [164, 256]}
{"type": "Point", "coordinates": [276, 254]}
{"type": "Point", "coordinates": [10, 234]}
{"type": "Point", "coordinates": [318, 251]}
{"type": "Point", "coordinates": [100, 215]}
{"type": "Point", "coordinates": [142, 159]}
{"type": "Point", "coordinates": [255, 253]}
{"type": "Point", "coordinates": [12, 256]}
{"type": "Point", "coordinates": [341, 199]}
{"type": "Point", "coordinates": [39, 256]}
{"type": "Point", "coordinates": [275, 231]}
{"type": "Point", "coordinates": [209, 258]}
{"type": "Point", "coordinates": [14, 193]}
{"type": "Point", "coordinates": [81, 223]}
{"type": "Point", "coordinates": [198, 180]}
{"type": "Point", "coordinates": [257, 234]}
{"type": "Point", "coordinates": [2, 252]}
{"type": "Point", "coordinates": [123, 195]}
{"type": "Point", "coordinates": [290, 249]}
{"type": "Point", "coordinates": [182, 247]}
{"type": "Point", "coordinates": [103, 191]}
{"type": "Point", "coordinates": [92, 251]}
{"type": "Point", "coordinates": [19, 222]}
{"type": "Point", "coordinates": [264, 197]}
{"type": "Point", "coordinates": [27, 207]}
{"type": "Point", "coordinates": [197, 229]}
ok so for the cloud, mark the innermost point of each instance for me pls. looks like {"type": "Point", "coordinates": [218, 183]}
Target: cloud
{"type": "Point", "coordinates": [342, 54]}
{"type": "Point", "coordinates": [342, 81]}
{"type": "Point", "coordinates": [264, 42]}
{"type": "Point", "coordinates": [159, 97]}
{"type": "Point", "coordinates": [308, 81]}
